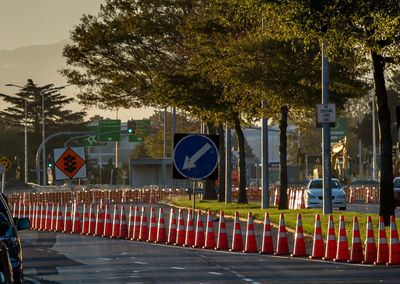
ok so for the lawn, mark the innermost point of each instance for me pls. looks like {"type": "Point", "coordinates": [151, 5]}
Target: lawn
{"type": "Point", "coordinates": [307, 216]}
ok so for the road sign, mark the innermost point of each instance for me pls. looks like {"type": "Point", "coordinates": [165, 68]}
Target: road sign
{"type": "Point", "coordinates": [340, 130]}
{"type": "Point", "coordinates": [109, 125]}
{"type": "Point", "coordinates": [2, 169]}
{"type": "Point", "coordinates": [140, 130]}
{"type": "Point", "coordinates": [6, 162]}
{"type": "Point", "coordinates": [70, 163]}
{"type": "Point", "coordinates": [326, 114]}
{"type": "Point", "coordinates": [195, 156]}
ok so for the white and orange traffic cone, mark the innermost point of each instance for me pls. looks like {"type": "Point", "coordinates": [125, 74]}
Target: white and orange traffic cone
{"type": "Point", "coordinates": [210, 235]}
{"type": "Point", "coordinates": [356, 251]}
{"type": "Point", "coordinates": [123, 232]}
{"type": "Point", "coordinates": [92, 221]}
{"type": "Point", "coordinates": [76, 226]}
{"type": "Point", "coordinates": [383, 247]}
{"type": "Point", "coordinates": [267, 246]}
{"type": "Point", "coordinates": [116, 223]}
{"type": "Point", "coordinates": [200, 236]}
{"type": "Point", "coordinates": [237, 239]}
{"type": "Point", "coordinates": [282, 246]}
{"type": "Point", "coordinates": [99, 230]}
{"type": "Point", "coordinates": [276, 199]}
{"type": "Point", "coordinates": [60, 219]}
{"type": "Point", "coordinates": [153, 226]}
{"type": "Point", "coordinates": [31, 214]}
{"type": "Point", "coordinates": [53, 217]}
{"type": "Point", "coordinates": [181, 232]}
{"type": "Point", "coordinates": [67, 221]}
{"type": "Point", "coordinates": [251, 242]}
{"type": "Point", "coordinates": [331, 246]}
{"type": "Point", "coordinates": [144, 229]}
{"type": "Point", "coordinates": [222, 242]}
{"type": "Point", "coordinates": [342, 252]}
{"type": "Point", "coordinates": [131, 222]}
{"type": "Point", "coordinates": [370, 245]}
{"type": "Point", "coordinates": [108, 223]}
{"type": "Point", "coordinates": [299, 243]}
{"type": "Point", "coordinates": [190, 233]}
{"type": "Point", "coordinates": [138, 219]}
{"type": "Point", "coordinates": [394, 249]}
{"type": "Point", "coordinates": [85, 226]}
{"type": "Point", "coordinates": [161, 230]}
{"type": "Point", "coordinates": [318, 250]}
{"type": "Point", "coordinates": [172, 228]}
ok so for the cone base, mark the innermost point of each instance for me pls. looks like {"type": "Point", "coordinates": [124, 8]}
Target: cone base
{"type": "Point", "coordinates": [276, 253]}
{"type": "Point", "coordinates": [266, 252]}
{"type": "Point", "coordinates": [315, 257]}
{"type": "Point", "coordinates": [298, 255]}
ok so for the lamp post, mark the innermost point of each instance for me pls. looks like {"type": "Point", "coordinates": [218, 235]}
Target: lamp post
{"type": "Point", "coordinates": [26, 134]}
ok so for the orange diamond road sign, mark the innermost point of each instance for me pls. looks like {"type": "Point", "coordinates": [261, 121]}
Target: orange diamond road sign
{"type": "Point", "coordinates": [70, 163]}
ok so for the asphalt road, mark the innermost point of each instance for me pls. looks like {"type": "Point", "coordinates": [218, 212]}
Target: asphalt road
{"type": "Point", "coordinates": [65, 258]}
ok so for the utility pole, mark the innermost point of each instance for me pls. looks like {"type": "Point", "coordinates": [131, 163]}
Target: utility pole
{"type": "Point", "coordinates": [228, 173]}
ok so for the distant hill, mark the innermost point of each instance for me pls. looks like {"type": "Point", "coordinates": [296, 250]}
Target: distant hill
{"type": "Point", "coordinates": [41, 63]}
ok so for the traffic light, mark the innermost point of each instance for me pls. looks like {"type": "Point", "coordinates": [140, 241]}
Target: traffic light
{"type": "Point", "coordinates": [49, 162]}
{"type": "Point", "coordinates": [131, 126]}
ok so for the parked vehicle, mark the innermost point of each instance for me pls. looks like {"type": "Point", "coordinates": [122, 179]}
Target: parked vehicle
{"type": "Point", "coordinates": [313, 195]}
{"type": "Point", "coordinates": [6, 271]}
{"type": "Point", "coordinates": [396, 188]}
{"type": "Point", "coordinates": [11, 239]}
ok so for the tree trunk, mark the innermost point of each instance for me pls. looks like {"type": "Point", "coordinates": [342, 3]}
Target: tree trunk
{"type": "Point", "coordinates": [283, 198]}
{"type": "Point", "coordinates": [221, 174]}
{"type": "Point", "coordinates": [386, 205]}
{"type": "Point", "coordinates": [209, 185]}
{"type": "Point", "coordinates": [241, 163]}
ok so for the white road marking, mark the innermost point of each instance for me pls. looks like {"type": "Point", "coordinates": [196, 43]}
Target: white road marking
{"type": "Point", "coordinates": [141, 262]}
{"type": "Point", "coordinates": [104, 258]}
{"type": "Point", "coordinates": [214, 273]}
{"type": "Point", "coordinates": [179, 268]}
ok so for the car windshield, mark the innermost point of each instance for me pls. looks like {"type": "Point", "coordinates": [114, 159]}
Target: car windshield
{"type": "Point", "coordinates": [318, 184]}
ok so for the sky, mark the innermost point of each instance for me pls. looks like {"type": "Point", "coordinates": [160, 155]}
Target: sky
{"type": "Point", "coordinates": [41, 22]}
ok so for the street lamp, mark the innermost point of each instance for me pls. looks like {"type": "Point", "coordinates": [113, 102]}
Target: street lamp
{"type": "Point", "coordinates": [26, 133]}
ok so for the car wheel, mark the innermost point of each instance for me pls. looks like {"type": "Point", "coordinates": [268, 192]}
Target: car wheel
{"type": "Point", "coordinates": [342, 208]}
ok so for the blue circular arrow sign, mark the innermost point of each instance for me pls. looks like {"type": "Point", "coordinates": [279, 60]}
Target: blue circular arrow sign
{"type": "Point", "coordinates": [195, 156]}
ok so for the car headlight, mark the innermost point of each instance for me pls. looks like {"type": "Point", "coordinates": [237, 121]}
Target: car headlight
{"type": "Point", "coordinates": [310, 195]}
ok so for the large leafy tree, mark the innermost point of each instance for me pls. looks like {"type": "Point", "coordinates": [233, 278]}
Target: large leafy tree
{"type": "Point", "coordinates": [371, 27]}
{"type": "Point", "coordinates": [57, 117]}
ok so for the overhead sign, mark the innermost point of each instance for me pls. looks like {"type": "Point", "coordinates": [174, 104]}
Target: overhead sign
{"type": "Point", "coordinates": [6, 162]}
{"type": "Point", "coordinates": [70, 163]}
{"type": "Point", "coordinates": [110, 130]}
{"type": "Point", "coordinates": [326, 114]}
{"type": "Point", "coordinates": [140, 131]}
{"type": "Point", "coordinates": [195, 156]}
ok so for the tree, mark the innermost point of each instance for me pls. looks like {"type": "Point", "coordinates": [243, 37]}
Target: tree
{"type": "Point", "coordinates": [57, 118]}
{"type": "Point", "coordinates": [370, 27]}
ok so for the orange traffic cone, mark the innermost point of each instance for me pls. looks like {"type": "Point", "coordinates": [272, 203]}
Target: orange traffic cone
{"type": "Point", "coordinates": [181, 232]}
{"type": "Point", "coordinates": [342, 253]}
{"type": "Point", "coordinates": [153, 226]}
{"type": "Point", "coordinates": [370, 246]}
{"type": "Point", "coordinates": [267, 246]}
{"type": "Point", "coordinates": [136, 228]}
{"type": "Point", "coordinates": [67, 221]}
{"type": "Point", "coordinates": [282, 246]}
{"type": "Point", "coordinates": [352, 197]}
{"type": "Point", "coordinates": [299, 244]}
{"type": "Point", "coordinates": [210, 235]}
{"type": "Point", "coordinates": [131, 222]}
{"type": "Point", "coordinates": [92, 221]}
{"type": "Point", "coordinates": [394, 250]}
{"type": "Point", "coordinates": [53, 217]}
{"type": "Point", "coordinates": [144, 229]}
{"type": "Point", "coordinates": [172, 228]}
{"type": "Point", "coordinates": [85, 213]}
{"type": "Point", "coordinates": [356, 251]}
{"type": "Point", "coordinates": [200, 236]}
{"type": "Point", "coordinates": [99, 221]}
{"type": "Point", "coordinates": [116, 223]}
{"type": "Point", "coordinates": [318, 250]}
{"type": "Point", "coordinates": [108, 223]}
{"type": "Point", "coordinates": [161, 231]}
{"type": "Point", "coordinates": [383, 248]}
{"type": "Point", "coordinates": [330, 251]}
{"type": "Point", "coordinates": [30, 214]}
{"type": "Point", "coordinates": [276, 199]}
{"type": "Point", "coordinates": [251, 242]}
{"type": "Point", "coordinates": [222, 242]}
{"type": "Point", "coordinates": [237, 239]}
{"type": "Point", "coordinates": [190, 233]}
{"type": "Point", "coordinates": [123, 232]}
{"type": "Point", "coordinates": [42, 217]}
{"type": "Point", "coordinates": [76, 227]}
{"type": "Point", "coordinates": [47, 223]}
{"type": "Point", "coordinates": [60, 220]}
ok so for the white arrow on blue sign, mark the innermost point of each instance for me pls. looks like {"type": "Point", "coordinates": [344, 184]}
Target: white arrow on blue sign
{"type": "Point", "coordinates": [195, 156]}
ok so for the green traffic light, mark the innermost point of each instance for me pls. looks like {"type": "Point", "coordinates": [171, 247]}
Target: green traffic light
{"type": "Point", "coordinates": [50, 165]}
{"type": "Point", "coordinates": [130, 130]}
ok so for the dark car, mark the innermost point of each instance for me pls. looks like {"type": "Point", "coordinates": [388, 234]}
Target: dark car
{"type": "Point", "coordinates": [396, 188]}
{"type": "Point", "coordinates": [6, 272]}
{"type": "Point", "coordinates": [11, 239]}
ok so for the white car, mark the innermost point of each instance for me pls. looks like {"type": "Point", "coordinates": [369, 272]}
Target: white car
{"type": "Point", "coordinates": [313, 194]}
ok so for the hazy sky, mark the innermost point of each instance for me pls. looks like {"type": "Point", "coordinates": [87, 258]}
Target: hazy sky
{"type": "Point", "coordinates": [27, 22]}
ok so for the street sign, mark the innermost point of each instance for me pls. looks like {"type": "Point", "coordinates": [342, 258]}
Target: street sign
{"type": "Point", "coordinates": [2, 169]}
{"type": "Point", "coordinates": [195, 156]}
{"type": "Point", "coordinates": [340, 130]}
{"type": "Point", "coordinates": [140, 130]}
{"type": "Point", "coordinates": [109, 125]}
{"type": "Point", "coordinates": [6, 162]}
{"type": "Point", "coordinates": [70, 163]}
{"type": "Point", "coordinates": [326, 114]}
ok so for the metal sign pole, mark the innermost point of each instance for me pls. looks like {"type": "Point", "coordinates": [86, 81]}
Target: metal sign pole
{"type": "Point", "coordinates": [3, 182]}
